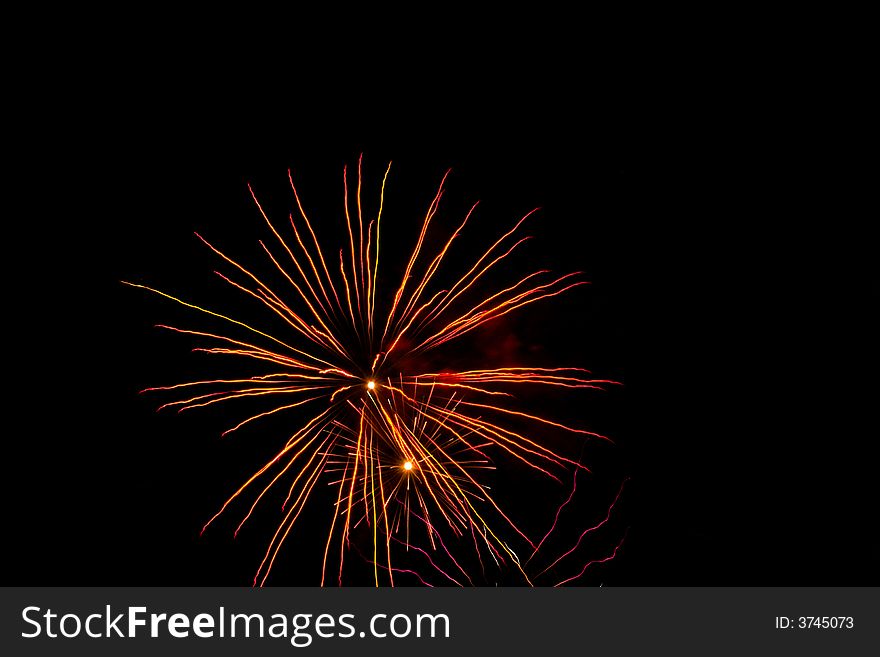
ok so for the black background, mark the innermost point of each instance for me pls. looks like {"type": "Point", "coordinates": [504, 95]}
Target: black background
{"type": "Point", "coordinates": [745, 468]}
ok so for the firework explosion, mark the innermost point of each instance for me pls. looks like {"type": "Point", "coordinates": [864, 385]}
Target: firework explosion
{"type": "Point", "coordinates": [405, 451]}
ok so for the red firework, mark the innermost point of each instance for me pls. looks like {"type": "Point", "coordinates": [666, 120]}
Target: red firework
{"type": "Point", "coordinates": [405, 451]}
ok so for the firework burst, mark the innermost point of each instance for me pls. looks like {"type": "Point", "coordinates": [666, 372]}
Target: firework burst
{"type": "Point", "coordinates": [405, 451]}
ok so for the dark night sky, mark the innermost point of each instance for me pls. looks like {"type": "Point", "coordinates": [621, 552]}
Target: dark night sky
{"type": "Point", "coordinates": [736, 478]}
